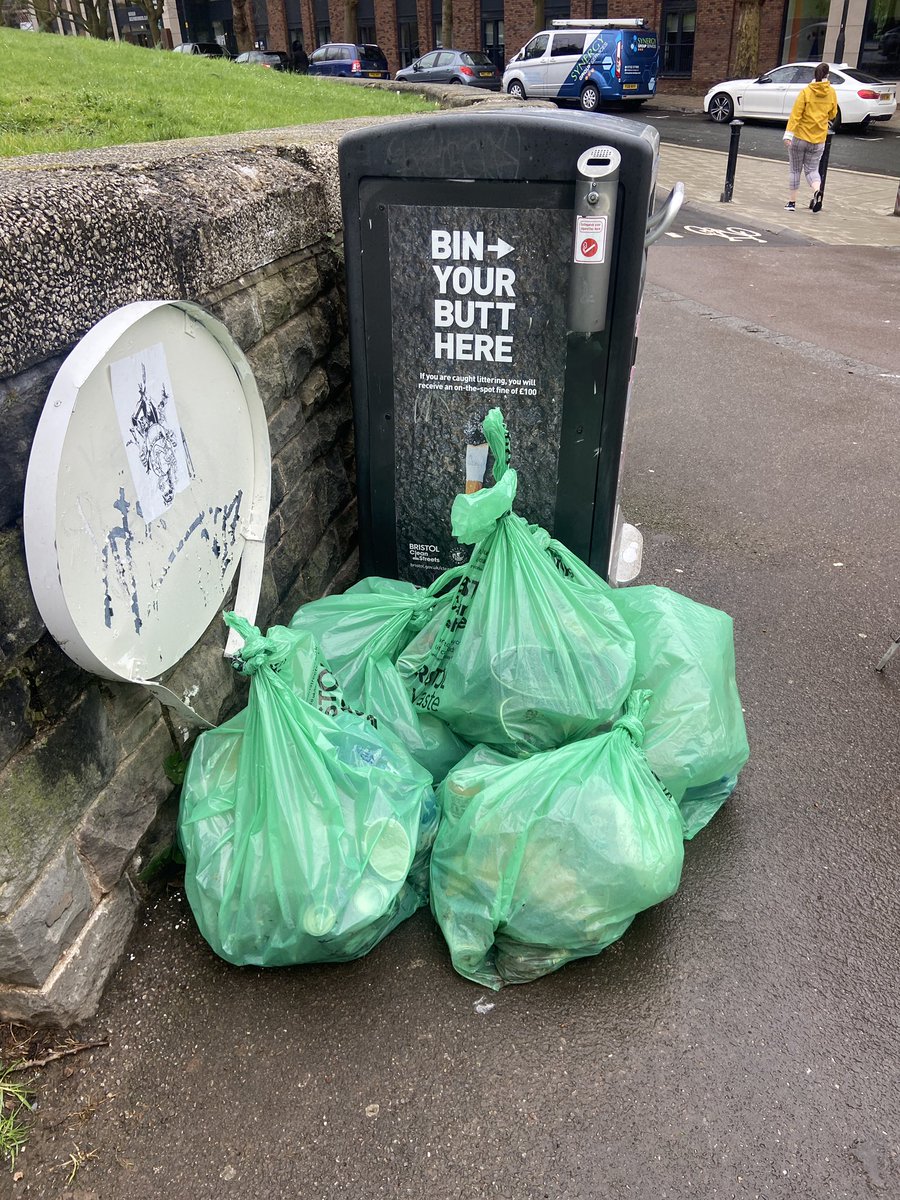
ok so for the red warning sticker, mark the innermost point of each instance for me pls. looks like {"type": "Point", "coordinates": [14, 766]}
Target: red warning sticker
{"type": "Point", "coordinates": [590, 239]}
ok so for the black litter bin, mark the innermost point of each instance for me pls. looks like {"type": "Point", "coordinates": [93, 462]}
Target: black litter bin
{"type": "Point", "coordinates": [494, 259]}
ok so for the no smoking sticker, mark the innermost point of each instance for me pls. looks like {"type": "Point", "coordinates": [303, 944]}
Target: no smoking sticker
{"type": "Point", "coordinates": [590, 239]}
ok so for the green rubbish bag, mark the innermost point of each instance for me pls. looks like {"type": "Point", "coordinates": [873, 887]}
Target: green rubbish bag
{"type": "Point", "coordinates": [305, 833]}
{"type": "Point", "coordinates": [361, 632]}
{"type": "Point", "coordinates": [543, 860]}
{"type": "Point", "coordinates": [700, 804]}
{"type": "Point", "coordinates": [375, 618]}
{"type": "Point", "coordinates": [695, 740]}
{"type": "Point", "coordinates": [518, 656]}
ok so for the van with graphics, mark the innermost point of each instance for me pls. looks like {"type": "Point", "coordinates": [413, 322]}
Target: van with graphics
{"type": "Point", "coordinates": [587, 63]}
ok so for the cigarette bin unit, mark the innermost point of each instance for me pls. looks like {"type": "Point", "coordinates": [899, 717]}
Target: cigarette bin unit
{"type": "Point", "coordinates": [494, 259]}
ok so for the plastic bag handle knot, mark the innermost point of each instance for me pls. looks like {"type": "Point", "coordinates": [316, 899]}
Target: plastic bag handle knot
{"type": "Point", "coordinates": [258, 651]}
{"type": "Point", "coordinates": [633, 727]}
{"type": "Point", "coordinates": [632, 719]}
{"type": "Point", "coordinates": [497, 437]}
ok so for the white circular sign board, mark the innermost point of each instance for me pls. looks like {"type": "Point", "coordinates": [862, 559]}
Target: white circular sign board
{"type": "Point", "coordinates": [149, 478]}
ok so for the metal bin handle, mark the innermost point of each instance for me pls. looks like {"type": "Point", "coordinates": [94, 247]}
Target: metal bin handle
{"type": "Point", "coordinates": [664, 216]}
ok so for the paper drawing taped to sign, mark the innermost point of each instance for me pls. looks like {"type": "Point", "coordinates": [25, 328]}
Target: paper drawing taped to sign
{"type": "Point", "coordinates": [154, 443]}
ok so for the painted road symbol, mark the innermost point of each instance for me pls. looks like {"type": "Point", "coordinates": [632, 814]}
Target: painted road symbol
{"type": "Point", "coordinates": [730, 233]}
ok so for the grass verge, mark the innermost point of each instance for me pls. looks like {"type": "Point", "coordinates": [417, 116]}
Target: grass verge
{"type": "Point", "coordinates": [15, 1105]}
{"type": "Point", "coordinates": [67, 93]}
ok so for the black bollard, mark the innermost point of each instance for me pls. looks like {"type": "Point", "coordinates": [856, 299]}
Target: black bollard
{"type": "Point", "coordinates": [823, 164]}
{"type": "Point", "coordinates": [736, 127]}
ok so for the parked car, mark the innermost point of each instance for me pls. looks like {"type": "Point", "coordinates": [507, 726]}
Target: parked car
{"type": "Point", "coordinates": [206, 49]}
{"type": "Point", "coordinates": [276, 60]}
{"type": "Point", "coordinates": [587, 62]}
{"type": "Point", "coordinates": [861, 98]}
{"type": "Point", "coordinates": [470, 67]}
{"type": "Point", "coordinates": [349, 60]}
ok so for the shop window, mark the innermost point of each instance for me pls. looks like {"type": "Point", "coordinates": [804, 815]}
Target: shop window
{"type": "Point", "coordinates": [805, 23]}
{"type": "Point", "coordinates": [679, 23]}
{"type": "Point", "coordinates": [322, 22]}
{"type": "Point", "coordinates": [880, 49]}
{"type": "Point", "coordinates": [407, 40]}
{"type": "Point", "coordinates": [365, 22]}
{"type": "Point", "coordinates": [556, 10]}
{"type": "Point", "coordinates": [493, 41]}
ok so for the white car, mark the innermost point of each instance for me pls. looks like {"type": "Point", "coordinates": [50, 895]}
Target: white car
{"type": "Point", "coordinates": [861, 98]}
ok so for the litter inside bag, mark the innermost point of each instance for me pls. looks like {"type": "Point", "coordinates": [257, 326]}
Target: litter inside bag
{"type": "Point", "coordinates": [361, 633]}
{"type": "Point", "coordinates": [548, 859]}
{"type": "Point", "coordinates": [305, 833]}
{"type": "Point", "coordinates": [518, 656]}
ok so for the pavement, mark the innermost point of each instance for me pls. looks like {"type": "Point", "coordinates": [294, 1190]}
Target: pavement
{"type": "Point", "coordinates": [741, 1041]}
{"type": "Point", "coordinates": [858, 208]}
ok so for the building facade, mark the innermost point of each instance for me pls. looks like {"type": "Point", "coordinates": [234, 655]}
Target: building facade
{"type": "Point", "coordinates": [698, 38]}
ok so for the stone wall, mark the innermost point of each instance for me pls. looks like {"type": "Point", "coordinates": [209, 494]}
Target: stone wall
{"type": "Point", "coordinates": [253, 235]}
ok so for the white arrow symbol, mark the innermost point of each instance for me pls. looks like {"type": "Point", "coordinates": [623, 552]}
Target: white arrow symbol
{"type": "Point", "coordinates": [500, 247]}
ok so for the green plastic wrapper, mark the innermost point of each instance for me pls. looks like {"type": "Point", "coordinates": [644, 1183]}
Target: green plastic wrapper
{"type": "Point", "coordinates": [696, 740]}
{"type": "Point", "coordinates": [361, 633]}
{"type": "Point", "coordinates": [518, 655]}
{"type": "Point", "coordinates": [544, 860]}
{"type": "Point", "coordinates": [305, 830]}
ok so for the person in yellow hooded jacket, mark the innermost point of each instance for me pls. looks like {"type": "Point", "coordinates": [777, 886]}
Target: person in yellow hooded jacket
{"type": "Point", "coordinates": [805, 135]}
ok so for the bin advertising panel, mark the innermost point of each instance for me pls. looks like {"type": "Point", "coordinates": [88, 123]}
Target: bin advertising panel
{"type": "Point", "coordinates": [485, 269]}
{"type": "Point", "coordinates": [464, 301]}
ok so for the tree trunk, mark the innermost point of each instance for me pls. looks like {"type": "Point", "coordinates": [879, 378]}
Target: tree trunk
{"type": "Point", "coordinates": [90, 17]}
{"type": "Point", "coordinates": [45, 12]}
{"type": "Point", "coordinates": [447, 23]}
{"type": "Point", "coordinates": [154, 16]}
{"type": "Point", "coordinates": [746, 52]}
{"type": "Point", "coordinates": [242, 15]}
{"type": "Point", "coordinates": [351, 22]}
{"type": "Point", "coordinates": [154, 11]}
{"type": "Point", "coordinates": [538, 16]}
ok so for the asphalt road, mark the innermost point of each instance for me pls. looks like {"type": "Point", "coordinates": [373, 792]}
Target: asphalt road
{"type": "Point", "coordinates": [741, 1040]}
{"type": "Point", "coordinates": [876, 150]}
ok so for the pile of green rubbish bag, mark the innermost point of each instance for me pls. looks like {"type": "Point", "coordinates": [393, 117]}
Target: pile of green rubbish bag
{"type": "Point", "coordinates": [519, 744]}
